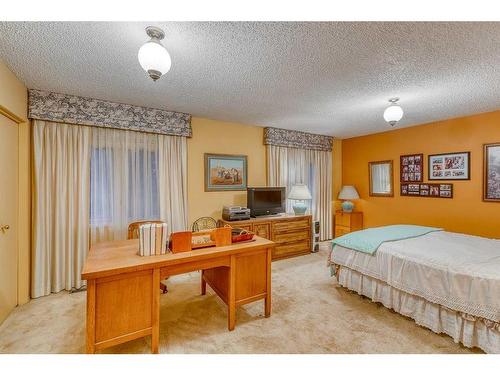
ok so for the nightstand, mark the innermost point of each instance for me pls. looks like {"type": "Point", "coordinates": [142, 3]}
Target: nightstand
{"type": "Point", "coordinates": [347, 222]}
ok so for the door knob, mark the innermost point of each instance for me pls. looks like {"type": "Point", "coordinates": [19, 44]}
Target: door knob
{"type": "Point", "coordinates": [5, 227]}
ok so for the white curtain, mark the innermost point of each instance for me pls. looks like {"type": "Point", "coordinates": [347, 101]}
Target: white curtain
{"type": "Point", "coordinates": [89, 184]}
{"type": "Point", "coordinates": [322, 191]}
{"type": "Point", "coordinates": [277, 165]}
{"type": "Point", "coordinates": [136, 176]}
{"type": "Point", "coordinates": [60, 206]}
{"type": "Point", "coordinates": [172, 161]}
{"type": "Point", "coordinates": [288, 166]}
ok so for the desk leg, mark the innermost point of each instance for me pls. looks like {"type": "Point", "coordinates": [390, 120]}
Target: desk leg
{"type": "Point", "coordinates": [203, 284]}
{"type": "Point", "coordinates": [231, 303]}
{"type": "Point", "coordinates": [91, 316]}
{"type": "Point", "coordinates": [267, 301]}
{"type": "Point", "coordinates": [155, 312]}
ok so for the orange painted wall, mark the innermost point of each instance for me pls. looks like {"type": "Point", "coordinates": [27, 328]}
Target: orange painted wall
{"type": "Point", "coordinates": [465, 213]}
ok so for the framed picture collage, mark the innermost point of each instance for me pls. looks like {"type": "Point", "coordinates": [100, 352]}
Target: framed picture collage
{"type": "Point", "coordinates": [427, 190]}
{"type": "Point", "coordinates": [454, 166]}
{"type": "Point", "coordinates": [412, 168]}
{"type": "Point", "coordinates": [412, 174]}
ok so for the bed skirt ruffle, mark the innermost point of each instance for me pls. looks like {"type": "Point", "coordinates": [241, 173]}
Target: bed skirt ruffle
{"type": "Point", "coordinates": [463, 328]}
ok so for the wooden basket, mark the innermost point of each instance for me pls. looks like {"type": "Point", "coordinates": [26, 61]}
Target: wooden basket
{"type": "Point", "coordinates": [187, 241]}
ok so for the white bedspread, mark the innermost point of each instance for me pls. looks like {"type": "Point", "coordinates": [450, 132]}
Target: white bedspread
{"type": "Point", "coordinates": [458, 271]}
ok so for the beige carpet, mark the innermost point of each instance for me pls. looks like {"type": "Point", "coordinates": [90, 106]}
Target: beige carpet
{"type": "Point", "coordinates": [310, 314]}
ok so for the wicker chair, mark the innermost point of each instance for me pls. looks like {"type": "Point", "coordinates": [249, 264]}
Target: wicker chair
{"type": "Point", "coordinates": [204, 223]}
{"type": "Point", "coordinates": [133, 233]}
{"type": "Point", "coordinates": [133, 228]}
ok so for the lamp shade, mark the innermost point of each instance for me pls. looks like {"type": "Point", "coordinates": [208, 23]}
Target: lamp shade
{"type": "Point", "coordinates": [348, 192]}
{"type": "Point", "coordinates": [300, 192]}
{"type": "Point", "coordinates": [153, 56]}
{"type": "Point", "coordinates": [393, 114]}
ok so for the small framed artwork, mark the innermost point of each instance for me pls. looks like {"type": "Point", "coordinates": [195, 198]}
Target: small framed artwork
{"type": "Point", "coordinates": [412, 168]}
{"type": "Point", "coordinates": [434, 191]}
{"type": "Point", "coordinates": [413, 189]}
{"type": "Point", "coordinates": [446, 191]}
{"type": "Point", "coordinates": [454, 166]}
{"type": "Point", "coordinates": [424, 190]}
{"type": "Point", "coordinates": [225, 172]}
{"type": "Point", "coordinates": [491, 173]}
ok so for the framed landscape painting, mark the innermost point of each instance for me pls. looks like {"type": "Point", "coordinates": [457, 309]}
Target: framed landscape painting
{"type": "Point", "coordinates": [453, 166]}
{"type": "Point", "coordinates": [491, 172]}
{"type": "Point", "coordinates": [225, 172]}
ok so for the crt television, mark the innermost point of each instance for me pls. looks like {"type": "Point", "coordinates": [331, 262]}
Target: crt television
{"type": "Point", "coordinates": [266, 200]}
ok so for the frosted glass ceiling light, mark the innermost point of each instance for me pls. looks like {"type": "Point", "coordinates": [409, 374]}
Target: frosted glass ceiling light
{"type": "Point", "coordinates": [153, 57]}
{"type": "Point", "coordinates": [393, 113]}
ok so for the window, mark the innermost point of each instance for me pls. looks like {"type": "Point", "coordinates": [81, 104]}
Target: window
{"type": "Point", "coordinates": [143, 201]}
{"type": "Point", "coordinates": [139, 197]}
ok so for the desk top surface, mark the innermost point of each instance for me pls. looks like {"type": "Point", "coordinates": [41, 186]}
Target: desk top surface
{"type": "Point", "coordinates": [115, 257]}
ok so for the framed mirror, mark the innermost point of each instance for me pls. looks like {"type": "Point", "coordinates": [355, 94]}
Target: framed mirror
{"type": "Point", "coordinates": [381, 178]}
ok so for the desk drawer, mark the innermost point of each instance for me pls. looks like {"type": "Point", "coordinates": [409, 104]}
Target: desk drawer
{"type": "Point", "coordinates": [295, 225]}
{"type": "Point", "coordinates": [303, 235]}
{"type": "Point", "coordinates": [291, 249]}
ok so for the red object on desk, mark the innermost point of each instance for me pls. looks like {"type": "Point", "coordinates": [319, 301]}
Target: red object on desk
{"type": "Point", "coordinates": [239, 235]}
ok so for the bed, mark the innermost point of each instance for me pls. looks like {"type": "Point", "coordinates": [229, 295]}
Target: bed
{"type": "Point", "coordinates": [447, 282]}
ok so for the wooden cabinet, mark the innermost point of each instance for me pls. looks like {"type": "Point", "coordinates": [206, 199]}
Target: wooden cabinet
{"type": "Point", "coordinates": [291, 233]}
{"type": "Point", "coordinates": [347, 222]}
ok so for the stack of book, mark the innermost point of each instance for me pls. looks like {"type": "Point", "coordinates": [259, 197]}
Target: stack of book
{"type": "Point", "coordinates": [153, 239]}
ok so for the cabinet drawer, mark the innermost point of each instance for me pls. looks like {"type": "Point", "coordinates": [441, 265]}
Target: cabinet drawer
{"type": "Point", "coordinates": [340, 230]}
{"type": "Point", "coordinates": [290, 249]}
{"type": "Point", "coordinates": [343, 219]}
{"type": "Point", "coordinates": [287, 226]}
{"type": "Point", "coordinates": [262, 230]}
{"type": "Point", "coordinates": [302, 235]}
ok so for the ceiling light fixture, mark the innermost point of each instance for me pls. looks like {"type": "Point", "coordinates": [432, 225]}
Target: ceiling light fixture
{"type": "Point", "coordinates": [393, 113]}
{"type": "Point", "coordinates": [153, 57]}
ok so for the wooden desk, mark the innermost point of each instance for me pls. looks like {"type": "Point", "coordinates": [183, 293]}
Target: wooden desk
{"type": "Point", "coordinates": [123, 294]}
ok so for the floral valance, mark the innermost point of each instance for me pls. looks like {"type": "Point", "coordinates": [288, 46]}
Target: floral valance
{"type": "Point", "coordinates": [50, 106]}
{"type": "Point", "coordinates": [293, 138]}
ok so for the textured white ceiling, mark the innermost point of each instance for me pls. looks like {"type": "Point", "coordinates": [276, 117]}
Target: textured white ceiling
{"type": "Point", "coordinates": [329, 78]}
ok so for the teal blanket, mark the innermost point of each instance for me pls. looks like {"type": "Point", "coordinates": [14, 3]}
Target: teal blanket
{"type": "Point", "coordinates": [369, 240]}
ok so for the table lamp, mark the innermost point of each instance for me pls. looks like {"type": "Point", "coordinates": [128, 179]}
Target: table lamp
{"type": "Point", "coordinates": [300, 193]}
{"type": "Point", "coordinates": [348, 192]}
